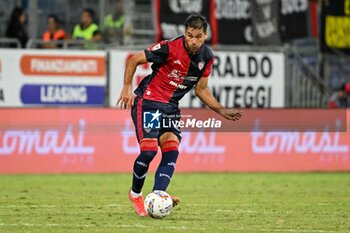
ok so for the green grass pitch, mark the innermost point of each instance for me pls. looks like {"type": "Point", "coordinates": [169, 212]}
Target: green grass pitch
{"type": "Point", "coordinates": [225, 202]}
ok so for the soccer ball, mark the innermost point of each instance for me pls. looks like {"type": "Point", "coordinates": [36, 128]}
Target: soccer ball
{"type": "Point", "coordinates": [158, 204]}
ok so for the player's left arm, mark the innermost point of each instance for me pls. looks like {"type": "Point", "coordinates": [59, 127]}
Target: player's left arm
{"type": "Point", "coordinates": [203, 93]}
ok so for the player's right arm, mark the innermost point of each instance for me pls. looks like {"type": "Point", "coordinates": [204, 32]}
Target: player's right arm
{"type": "Point", "coordinates": [157, 54]}
{"type": "Point", "coordinates": [126, 98]}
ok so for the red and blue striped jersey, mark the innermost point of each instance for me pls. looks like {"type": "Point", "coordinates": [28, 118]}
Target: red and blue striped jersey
{"type": "Point", "coordinates": [174, 71]}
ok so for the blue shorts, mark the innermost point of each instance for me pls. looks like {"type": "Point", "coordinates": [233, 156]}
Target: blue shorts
{"type": "Point", "coordinates": [152, 119]}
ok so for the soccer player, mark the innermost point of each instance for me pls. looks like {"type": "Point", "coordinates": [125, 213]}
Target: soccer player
{"type": "Point", "coordinates": [178, 65]}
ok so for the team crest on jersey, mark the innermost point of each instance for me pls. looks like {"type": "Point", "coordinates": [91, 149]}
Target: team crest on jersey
{"type": "Point", "coordinates": [200, 65]}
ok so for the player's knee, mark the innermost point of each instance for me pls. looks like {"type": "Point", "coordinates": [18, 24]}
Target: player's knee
{"type": "Point", "coordinates": [170, 145]}
{"type": "Point", "coordinates": [149, 147]}
{"type": "Point", "coordinates": [147, 156]}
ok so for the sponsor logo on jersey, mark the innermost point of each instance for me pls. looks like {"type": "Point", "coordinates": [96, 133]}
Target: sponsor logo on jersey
{"type": "Point", "coordinates": [190, 78]}
{"type": "Point", "coordinates": [180, 86]}
{"type": "Point", "coordinates": [175, 74]}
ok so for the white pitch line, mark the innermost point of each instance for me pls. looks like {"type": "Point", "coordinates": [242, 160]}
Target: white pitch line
{"type": "Point", "coordinates": [236, 211]}
{"type": "Point", "coordinates": [263, 204]}
{"type": "Point", "coordinates": [28, 224]}
{"type": "Point", "coordinates": [185, 204]}
{"type": "Point", "coordinates": [300, 230]}
{"type": "Point", "coordinates": [99, 226]}
{"type": "Point", "coordinates": [283, 230]}
{"type": "Point", "coordinates": [130, 226]}
{"type": "Point", "coordinates": [55, 206]}
{"type": "Point", "coordinates": [218, 205]}
{"type": "Point", "coordinates": [68, 225]}
{"type": "Point", "coordinates": [168, 227]}
{"type": "Point", "coordinates": [53, 225]}
{"type": "Point", "coordinates": [182, 228]}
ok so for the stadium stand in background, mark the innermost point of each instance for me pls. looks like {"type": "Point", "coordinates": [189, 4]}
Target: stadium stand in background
{"type": "Point", "coordinates": [315, 70]}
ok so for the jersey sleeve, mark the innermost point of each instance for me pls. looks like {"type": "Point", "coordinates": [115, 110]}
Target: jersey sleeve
{"type": "Point", "coordinates": [157, 53]}
{"type": "Point", "coordinates": [208, 67]}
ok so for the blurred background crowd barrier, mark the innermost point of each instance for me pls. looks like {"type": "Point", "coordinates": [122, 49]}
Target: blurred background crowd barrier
{"type": "Point", "coordinates": [311, 35]}
{"type": "Point", "coordinates": [88, 140]}
{"type": "Point", "coordinates": [269, 55]}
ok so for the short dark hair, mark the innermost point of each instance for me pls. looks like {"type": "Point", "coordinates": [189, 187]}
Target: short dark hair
{"type": "Point", "coordinates": [54, 17]}
{"type": "Point", "coordinates": [196, 21]}
{"type": "Point", "coordinates": [90, 11]}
